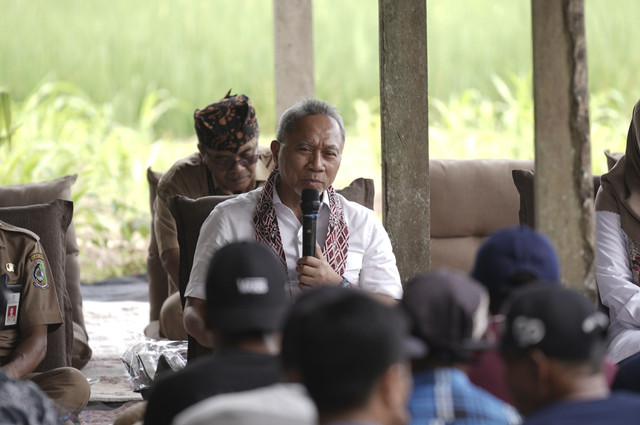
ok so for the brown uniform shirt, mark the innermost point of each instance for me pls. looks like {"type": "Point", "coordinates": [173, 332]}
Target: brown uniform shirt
{"type": "Point", "coordinates": [25, 265]}
{"type": "Point", "coordinates": [188, 177]}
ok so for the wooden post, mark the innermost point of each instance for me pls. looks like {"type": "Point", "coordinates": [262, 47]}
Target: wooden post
{"type": "Point", "coordinates": [405, 131]}
{"type": "Point", "coordinates": [293, 29]}
{"type": "Point", "coordinates": [563, 182]}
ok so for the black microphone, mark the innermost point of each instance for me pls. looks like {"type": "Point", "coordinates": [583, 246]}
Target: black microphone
{"type": "Point", "coordinates": [309, 204]}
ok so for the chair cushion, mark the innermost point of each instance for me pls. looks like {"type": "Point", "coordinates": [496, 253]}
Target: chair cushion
{"type": "Point", "coordinates": [189, 215]}
{"type": "Point", "coordinates": [50, 222]}
{"type": "Point", "coordinates": [524, 182]}
{"type": "Point", "coordinates": [43, 192]}
{"type": "Point", "coordinates": [612, 158]}
{"type": "Point", "coordinates": [472, 197]}
{"type": "Point", "coordinates": [361, 190]}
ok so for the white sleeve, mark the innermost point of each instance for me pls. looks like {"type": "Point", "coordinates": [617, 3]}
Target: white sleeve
{"type": "Point", "coordinates": [615, 281]}
{"type": "Point", "coordinates": [213, 235]}
{"type": "Point", "coordinates": [379, 270]}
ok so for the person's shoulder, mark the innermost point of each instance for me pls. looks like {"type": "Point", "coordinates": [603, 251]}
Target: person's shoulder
{"type": "Point", "coordinates": [182, 379]}
{"type": "Point", "coordinates": [625, 399]}
{"type": "Point", "coordinates": [624, 406]}
{"type": "Point", "coordinates": [241, 200]}
{"type": "Point", "coordinates": [354, 208]}
{"type": "Point", "coordinates": [184, 165]}
{"type": "Point", "coordinates": [15, 230]}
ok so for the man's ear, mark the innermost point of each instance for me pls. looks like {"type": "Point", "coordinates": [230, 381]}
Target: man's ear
{"type": "Point", "coordinates": [542, 371]}
{"type": "Point", "coordinates": [395, 388]}
{"type": "Point", "coordinates": [275, 150]}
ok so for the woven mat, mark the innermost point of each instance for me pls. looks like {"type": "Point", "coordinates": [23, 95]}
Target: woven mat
{"type": "Point", "coordinates": [103, 415]}
{"type": "Point", "coordinates": [112, 327]}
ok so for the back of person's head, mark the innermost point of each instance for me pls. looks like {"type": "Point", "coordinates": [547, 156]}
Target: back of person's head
{"type": "Point", "coordinates": [449, 312]}
{"type": "Point", "coordinates": [512, 257]}
{"type": "Point", "coordinates": [294, 327]}
{"type": "Point", "coordinates": [245, 290]}
{"type": "Point", "coordinates": [303, 108]}
{"type": "Point", "coordinates": [347, 342]}
{"type": "Point", "coordinates": [560, 322]}
{"type": "Point", "coordinates": [559, 333]}
{"type": "Point", "coordinates": [227, 124]}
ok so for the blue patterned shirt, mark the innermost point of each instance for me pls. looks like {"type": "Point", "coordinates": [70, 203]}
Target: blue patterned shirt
{"type": "Point", "coordinates": [446, 396]}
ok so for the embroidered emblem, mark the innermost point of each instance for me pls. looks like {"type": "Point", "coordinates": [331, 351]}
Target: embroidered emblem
{"type": "Point", "coordinates": [633, 251]}
{"type": "Point", "coordinates": [36, 256]}
{"type": "Point", "coordinates": [528, 331]}
{"type": "Point", "coordinates": [10, 267]}
{"type": "Point", "coordinates": [40, 277]}
{"type": "Point", "coordinates": [252, 285]}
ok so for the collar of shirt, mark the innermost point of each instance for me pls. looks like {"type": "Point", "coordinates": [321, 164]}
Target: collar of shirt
{"type": "Point", "coordinates": [291, 235]}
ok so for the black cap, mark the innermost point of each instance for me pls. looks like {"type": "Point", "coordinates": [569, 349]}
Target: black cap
{"type": "Point", "coordinates": [449, 311]}
{"type": "Point", "coordinates": [561, 322]}
{"type": "Point", "coordinates": [245, 289]}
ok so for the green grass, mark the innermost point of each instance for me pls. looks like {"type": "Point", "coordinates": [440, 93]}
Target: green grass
{"type": "Point", "coordinates": [106, 89]}
{"type": "Point", "coordinates": [118, 51]}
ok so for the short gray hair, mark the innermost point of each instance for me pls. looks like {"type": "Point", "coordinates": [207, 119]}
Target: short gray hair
{"type": "Point", "coordinates": [302, 109]}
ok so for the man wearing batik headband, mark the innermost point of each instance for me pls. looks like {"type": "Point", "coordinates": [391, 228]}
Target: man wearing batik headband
{"type": "Point", "coordinates": [353, 249]}
{"type": "Point", "coordinates": [32, 310]}
{"type": "Point", "coordinates": [228, 161]}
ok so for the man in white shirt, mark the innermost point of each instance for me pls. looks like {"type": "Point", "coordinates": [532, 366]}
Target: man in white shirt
{"type": "Point", "coordinates": [354, 249]}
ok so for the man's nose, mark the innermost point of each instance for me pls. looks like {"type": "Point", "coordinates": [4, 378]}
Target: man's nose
{"type": "Point", "coordinates": [237, 165]}
{"type": "Point", "coordinates": [317, 161]}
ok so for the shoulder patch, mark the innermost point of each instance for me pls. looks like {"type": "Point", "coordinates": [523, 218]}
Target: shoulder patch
{"type": "Point", "coordinates": [40, 277]}
{"type": "Point", "coordinates": [36, 256]}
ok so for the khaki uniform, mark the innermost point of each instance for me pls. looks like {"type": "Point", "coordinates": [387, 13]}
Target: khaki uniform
{"type": "Point", "coordinates": [32, 302]}
{"type": "Point", "coordinates": [187, 177]}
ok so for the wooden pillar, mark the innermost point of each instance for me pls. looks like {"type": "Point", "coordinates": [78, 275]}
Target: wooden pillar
{"type": "Point", "coordinates": [563, 182]}
{"type": "Point", "coordinates": [405, 131]}
{"type": "Point", "coordinates": [293, 29]}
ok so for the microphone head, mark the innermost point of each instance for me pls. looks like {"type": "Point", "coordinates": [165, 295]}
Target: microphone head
{"type": "Point", "coordinates": [310, 201]}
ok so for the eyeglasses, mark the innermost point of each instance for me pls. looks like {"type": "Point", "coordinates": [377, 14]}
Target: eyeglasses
{"type": "Point", "coordinates": [226, 163]}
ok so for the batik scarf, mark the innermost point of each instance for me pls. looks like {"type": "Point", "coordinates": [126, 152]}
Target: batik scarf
{"type": "Point", "coordinates": [267, 231]}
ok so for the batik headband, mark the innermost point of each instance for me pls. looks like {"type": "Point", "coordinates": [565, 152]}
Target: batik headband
{"type": "Point", "coordinates": [227, 124]}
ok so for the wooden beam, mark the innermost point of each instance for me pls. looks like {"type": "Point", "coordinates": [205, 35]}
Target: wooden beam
{"type": "Point", "coordinates": [405, 131]}
{"type": "Point", "coordinates": [293, 29]}
{"type": "Point", "coordinates": [563, 184]}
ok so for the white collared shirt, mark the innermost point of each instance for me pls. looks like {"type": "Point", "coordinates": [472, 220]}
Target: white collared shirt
{"type": "Point", "coordinates": [616, 286]}
{"type": "Point", "coordinates": [370, 263]}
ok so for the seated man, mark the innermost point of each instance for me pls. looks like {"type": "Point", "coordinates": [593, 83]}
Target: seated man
{"type": "Point", "coordinates": [354, 249]}
{"type": "Point", "coordinates": [247, 303]}
{"type": "Point", "coordinates": [32, 309]}
{"type": "Point", "coordinates": [508, 259]}
{"type": "Point", "coordinates": [21, 401]}
{"type": "Point", "coordinates": [449, 312]}
{"type": "Point", "coordinates": [228, 161]}
{"type": "Point", "coordinates": [282, 403]}
{"type": "Point", "coordinates": [553, 344]}
{"type": "Point", "coordinates": [353, 359]}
